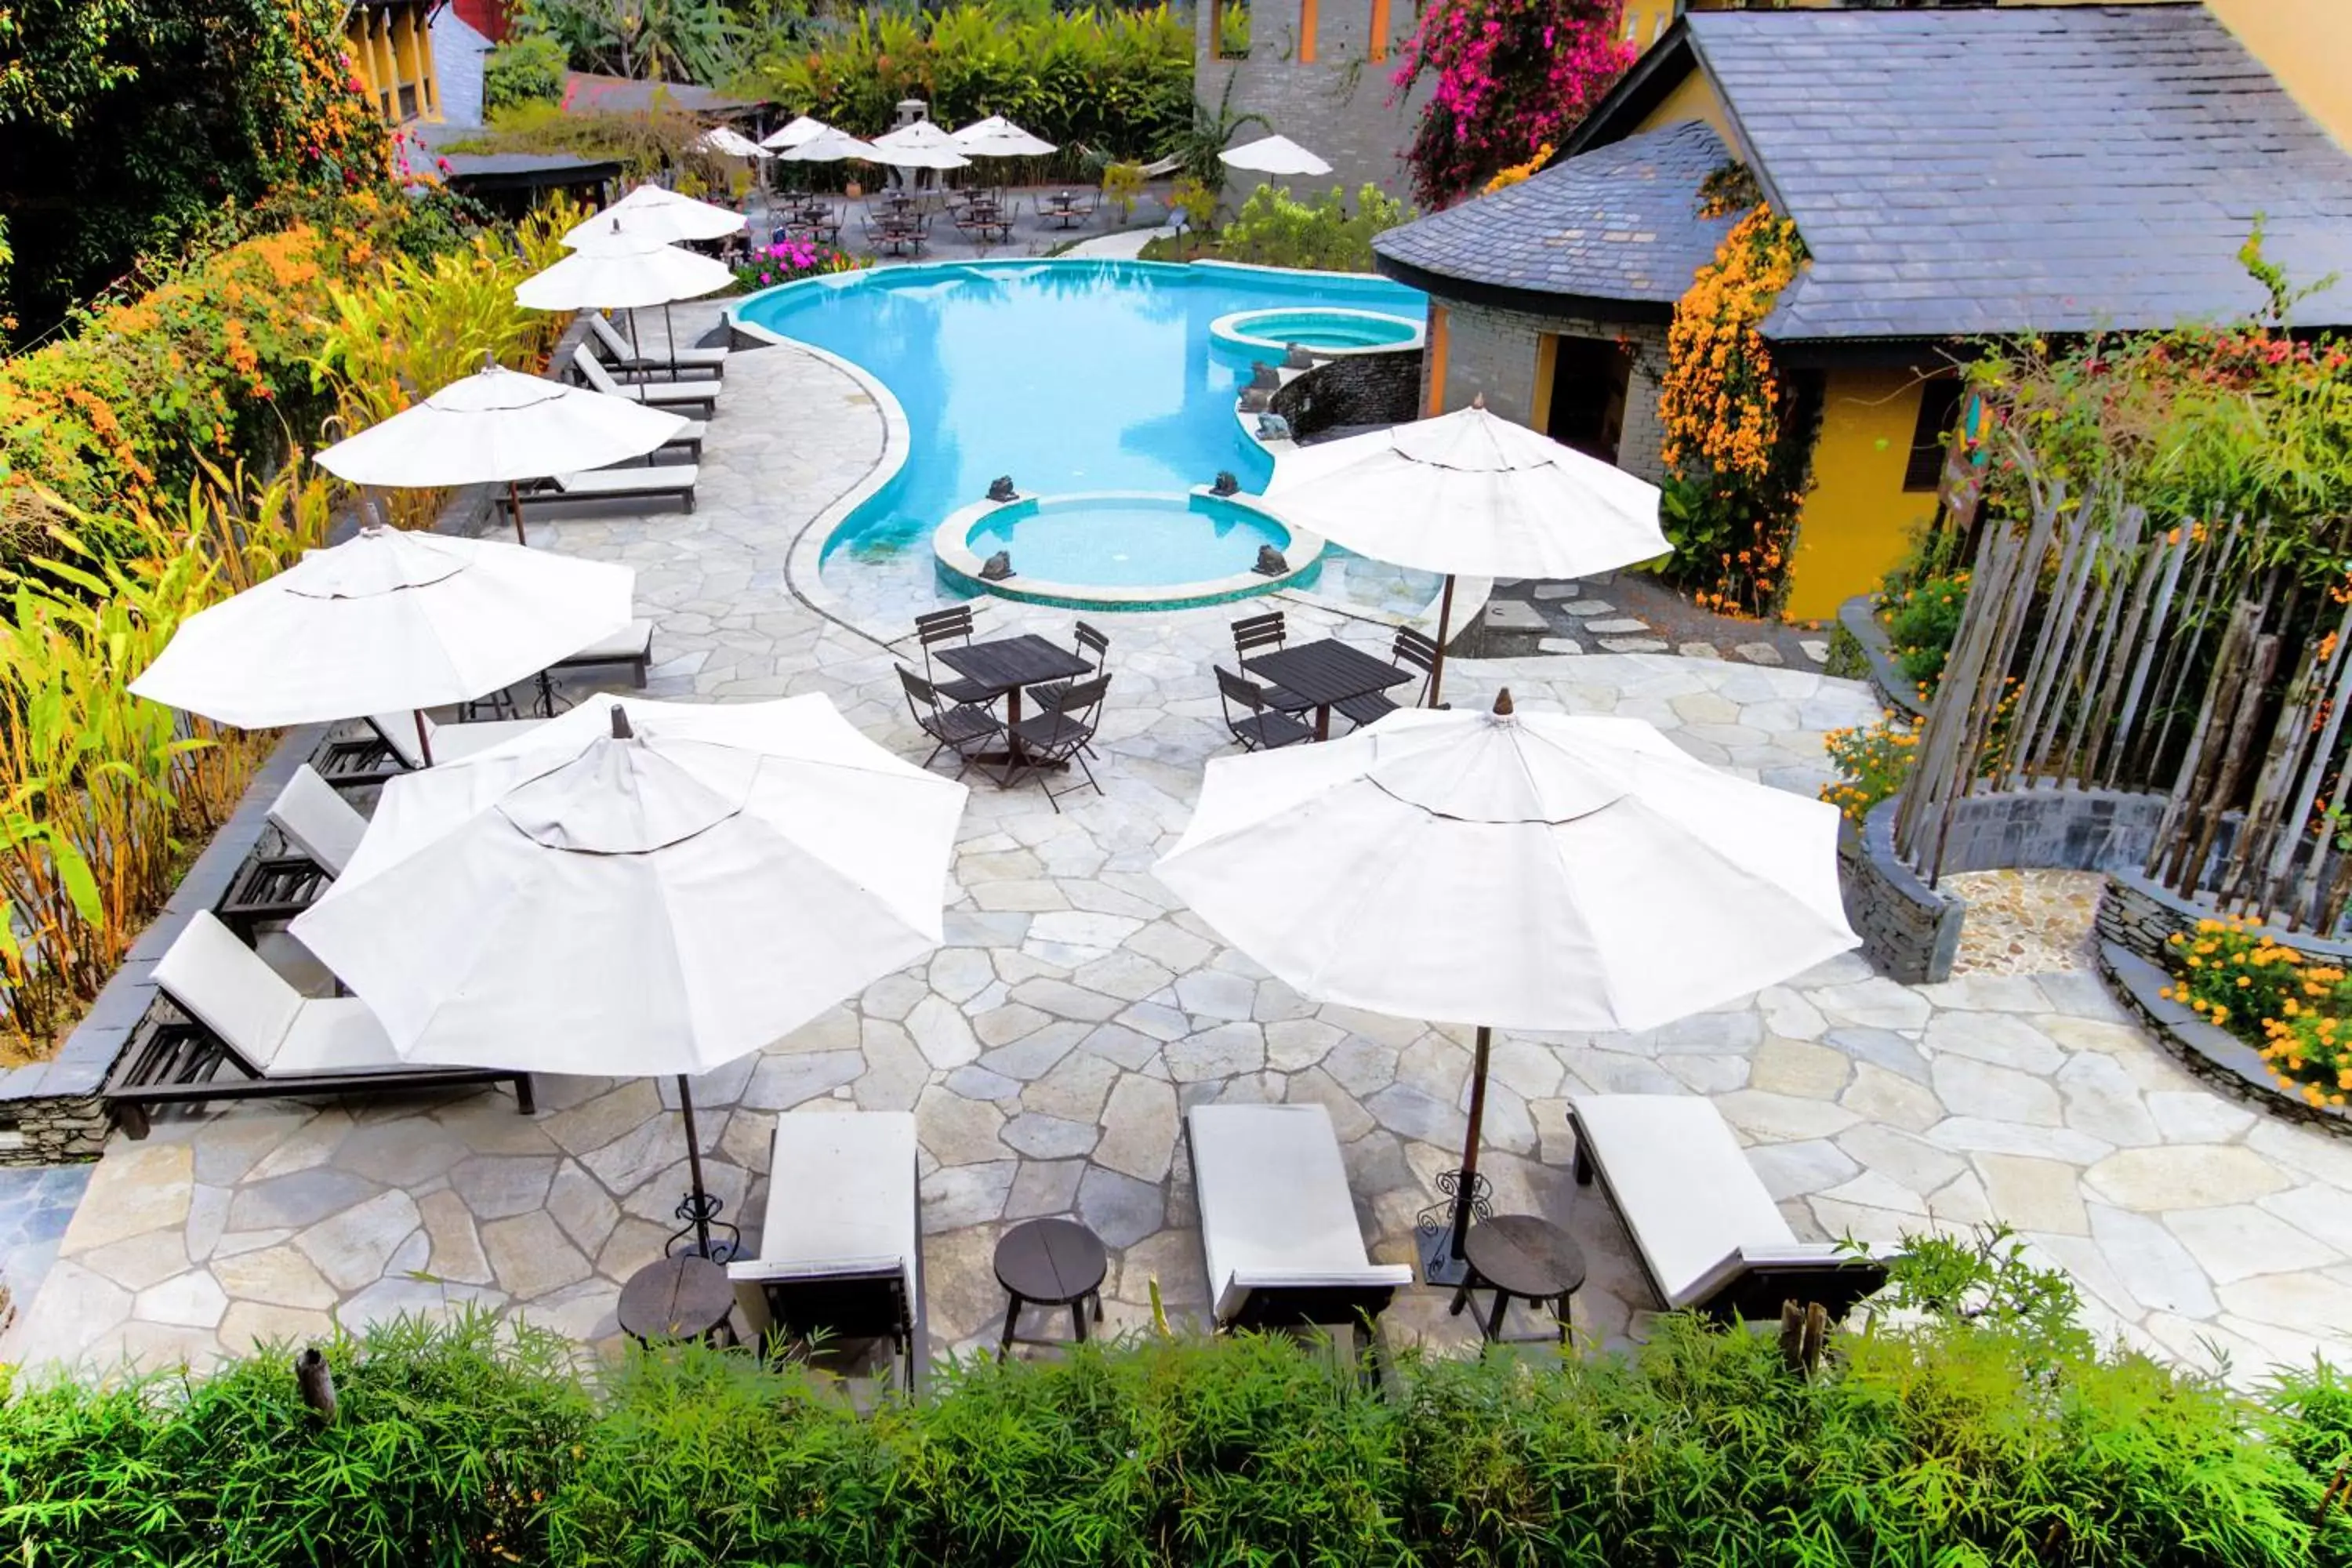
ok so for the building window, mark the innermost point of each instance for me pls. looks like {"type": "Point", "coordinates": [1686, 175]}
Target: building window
{"type": "Point", "coordinates": [1229, 29]}
{"type": "Point", "coordinates": [1379, 44]}
{"type": "Point", "coordinates": [1940, 405]}
{"type": "Point", "coordinates": [1307, 32]}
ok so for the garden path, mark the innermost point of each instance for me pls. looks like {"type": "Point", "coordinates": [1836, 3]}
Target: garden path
{"type": "Point", "coordinates": [1048, 1048]}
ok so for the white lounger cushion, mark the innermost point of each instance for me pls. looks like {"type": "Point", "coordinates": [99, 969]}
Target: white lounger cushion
{"type": "Point", "coordinates": [841, 1198]}
{"type": "Point", "coordinates": [618, 347]}
{"type": "Point", "coordinates": [1274, 1206]}
{"type": "Point", "coordinates": [633, 641]}
{"type": "Point", "coordinates": [317, 821]}
{"type": "Point", "coordinates": [637, 479]}
{"type": "Point", "coordinates": [643, 391]}
{"type": "Point", "coordinates": [1683, 1187]}
{"type": "Point", "coordinates": [450, 741]}
{"type": "Point", "coordinates": [281, 1033]}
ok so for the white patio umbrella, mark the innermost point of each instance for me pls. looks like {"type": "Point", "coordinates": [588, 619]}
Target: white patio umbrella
{"type": "Point", "coordinates": [802, 130]}
{"type": "Point", "coordinates": [921, 145]}
{"type": "Point", "coordinates": [997, 137]}
{"type": "Point", "coordinates": [655, 212]}
{"type": "Point", "coordinates": [630, 262]}
{"type": "Point", "coordinates": [826, 146]}
{"type": "Point", "coordinates": [1274, 155]}
{"type": "Point", "coordinates": [726, 141]}
{"type": "Point", "coordinates": [1467, 493]}
{"type": "Point", "coordinates": [498, 427]}
{"type": "Point", "coordinates": [383, 621]}
{"type": "Point", "coordinates": [640, 888]}
{"type": "Point", "coordinates": [1525, 870]}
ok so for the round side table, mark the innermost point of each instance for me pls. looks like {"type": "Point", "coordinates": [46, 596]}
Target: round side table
{"type": "Point", "coordinates": [1523, 1256]}
{"type": "Point", "coordinates": [1050, 1263]}
{"type": "Point", "coordinates": [683, 1298]}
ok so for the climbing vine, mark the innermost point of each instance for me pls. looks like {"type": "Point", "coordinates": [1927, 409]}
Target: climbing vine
{"type": "Point", "coordinates": [1512, 76]}
{"type": "Point", "coordinates": [1735, 473]}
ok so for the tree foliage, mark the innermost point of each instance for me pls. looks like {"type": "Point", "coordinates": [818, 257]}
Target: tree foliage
{"type": "Point", "coordinates": [1511, 77]}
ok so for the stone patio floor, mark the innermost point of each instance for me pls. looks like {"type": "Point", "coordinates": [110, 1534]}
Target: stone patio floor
{"type": "Point", "coordinates": [1048, 1048]}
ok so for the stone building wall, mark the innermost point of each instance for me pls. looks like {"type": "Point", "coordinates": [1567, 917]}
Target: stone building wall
{"type": "Point", "coordinates": [1341, 107]}
{"type": "Point", "coordinates": [1351, 389]}
{"type": "Point", "coordinates": [1493, 352]}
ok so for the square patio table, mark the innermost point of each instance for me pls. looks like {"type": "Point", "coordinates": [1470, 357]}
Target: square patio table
{"type": "Point", "coordinates": [1004, 666]}
{"type": "Point", "coordinates": [1325, 672]}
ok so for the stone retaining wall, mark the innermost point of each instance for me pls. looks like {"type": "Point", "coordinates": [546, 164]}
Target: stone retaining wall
{"type": "Point", "coordinates": [1857, 625]}
{"type": "Point", "coordinates": [1382, 388]}
{"type": "Point", "coordinates": [2141, 917]}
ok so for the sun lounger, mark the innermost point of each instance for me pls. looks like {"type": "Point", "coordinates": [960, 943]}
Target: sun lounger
{"type": "Point", "coordinates": [450, 742]}
{"type": "Point", "coordinates": [650, 481]}
{"type": "Point", "coordinates": [632, 645]}
{"type": "Point", "coordinates": [841, 1250]}
{"type": "Point", "coordinates": [321, 832]}
{"type": "Point", "coordinates": [673, 396]}
{"type": "Point", "coordinates": [232, 1028]}
{"type": "Point", "coordinates": [1707, 1232]}
{"type": "Point", "coordinates": [621, 357]}
{"type": "Point", "coordinates": [1277, 1224]}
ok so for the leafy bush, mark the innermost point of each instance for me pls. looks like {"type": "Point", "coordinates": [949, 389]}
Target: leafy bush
{"type": "Point", "coordinates": [787, 260]}
{"type": "Point", "coordinates": [1951, 1440]}
{"type": "Point", "coordinates": [527, 69]}
{"type": "Point", "coordinates": [1873, 764]}
{"type": "Point", "coordinates": [1274, 230]}
{"type": "Point", "coordinates": [2296, 1012]}
{"type": "Point", "coordinates": [1920, 605]}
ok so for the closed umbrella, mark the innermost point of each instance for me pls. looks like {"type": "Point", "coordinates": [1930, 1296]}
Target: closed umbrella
{"type": "Point", "coordinates": [383, 621]}
{"type": "Point", "coordinates": [997, 137]}
{"type": "Point", "coordinates": [1469, 492]}
{"type": "Point", "coordinates": [1274, 155]}
{"type": "Point", "coordinates": [630, 262]}
{"type": "Point", "coordinates": [921, 145]}
{"type": "Point", "coordinates": [640, 888]}
{"type": "Point", "coordinates": [1531, 871]}
{"type": "Point", "coordinates": [657, 212]}
{"type": "Point", "coordinates": [498, 426]}
{"type": "Point", "coordinates": [800, 130]}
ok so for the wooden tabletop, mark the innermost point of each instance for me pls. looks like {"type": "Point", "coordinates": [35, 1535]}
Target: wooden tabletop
{"type": "Point", "coordinates": [1525, 1255]}
{"type": "Point", "coordinates": [1007, 663]}
{"type": "Point", "coordinates": [681, 1297]}
{"type": "Point", "coordinates": [1053, 1261]}
{"type": "Point", "coordinates": [1326, 671]}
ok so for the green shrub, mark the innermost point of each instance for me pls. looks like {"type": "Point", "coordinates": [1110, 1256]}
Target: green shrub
{"type": "Point", "coordinates": [525, 69]}
{"type": "Point", "coordinates": [1274, 230]}
{"type": "Point", "coordinates": [1954, 1440]}
{"type": "Point", "coordinates": [1920, 605]}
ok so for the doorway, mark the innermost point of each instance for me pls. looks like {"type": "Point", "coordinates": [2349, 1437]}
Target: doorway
{"type": "Point", "coordinates": [1584, 401]}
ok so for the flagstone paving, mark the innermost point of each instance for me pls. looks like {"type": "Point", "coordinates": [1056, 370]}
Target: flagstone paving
{"type": "Point", "coordinates": [1048, 1048]}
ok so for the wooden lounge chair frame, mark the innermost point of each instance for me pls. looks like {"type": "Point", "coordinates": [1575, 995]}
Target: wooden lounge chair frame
{"type": "Point", "coordinates": [280, 885]}
{"type": "Point", "coordinates": [670, 396]}
{"type": "Point", "coordinates": [627, 363]}
{"type": "Point", "coordinates": [651, 482]}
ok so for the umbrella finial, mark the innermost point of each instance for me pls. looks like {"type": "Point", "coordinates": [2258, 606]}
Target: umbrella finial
{"type": "Point", "coordinates": [1502, 703]}
{"type": "Point", "coordinates": [620, 731]}
{"type": "Point", "coordinates": [1478, 400]}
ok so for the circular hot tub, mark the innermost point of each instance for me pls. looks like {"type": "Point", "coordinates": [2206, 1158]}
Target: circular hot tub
{"type": "Point", "coordinates": [1122, 549]}
{"type": "Point", "coordinates": [1320, 330]}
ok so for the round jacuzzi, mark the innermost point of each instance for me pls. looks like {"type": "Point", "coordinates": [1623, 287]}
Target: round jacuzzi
{"type": "Point", "coordinates": [1318, 329]}
{"type": "Point", "coordinates": [1122, 549]}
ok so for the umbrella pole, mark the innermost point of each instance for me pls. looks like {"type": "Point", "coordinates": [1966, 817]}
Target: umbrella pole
{"type": "Point", "coordinates": [698, 1208]}
{"type": "Point", "coordinates": [424, 740]}
{"type": "Point", "coordinates": [1438, 666]}
{"type": "Point", "coordinates": [1442, 1227]}
{"type": "Point", "coordinates": [669, 335]}
{"type": "Point", "coordinates": [514, 508]}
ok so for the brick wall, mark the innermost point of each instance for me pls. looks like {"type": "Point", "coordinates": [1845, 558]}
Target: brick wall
{"type": "Point", "coordinates": [1493, 352]}
{"type": "Point", "coordinates": [1337, 108]}
{"type": "Point", "coordinates": [1352, 389]}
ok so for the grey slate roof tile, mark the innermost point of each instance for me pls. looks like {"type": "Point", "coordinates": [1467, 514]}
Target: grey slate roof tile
{"type": "Point", "coordinates": [1971, 171]}
{"type": "Point", "coordinates": [1618, 223]}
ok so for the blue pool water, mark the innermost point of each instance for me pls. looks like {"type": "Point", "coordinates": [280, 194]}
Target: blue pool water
{"type": "Point", "coordinates": [1328, 329]}
{"type": "Point", "coordinates": [1129, 541]}
{"type": "Point", "coordinates": [1067, 375]}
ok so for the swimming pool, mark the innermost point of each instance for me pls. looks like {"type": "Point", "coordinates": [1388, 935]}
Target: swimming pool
{"type": "Point", "coordinates": [1323, 328]}
{"type": "Point", "coordinates": [1067, 377]}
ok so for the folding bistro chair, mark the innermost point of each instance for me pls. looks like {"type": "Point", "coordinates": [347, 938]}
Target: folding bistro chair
{"type": "Point", "coordinates": [1089, 645]}
{"type": "Point", "coordinates": [1259, 726]}
{"type": "Point", "coordinates": [964, 727]}
{"type": "Point", "coordinates": [1255, 634]}
{"type": "Point", "coordinates": [1058, 735]}
{"type": "Point", "coordinates": [951, 624]}
{"type": "Point", "coordinates": [1412, 650]}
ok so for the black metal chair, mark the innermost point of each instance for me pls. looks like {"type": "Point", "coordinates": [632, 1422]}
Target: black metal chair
{"type": "Point", "coordinates": [1412, 650]}
{"type": "Point", "coordinates": [1090, 645]}
{"type": "Point", "coordinates": [963, 728]}
{"type": "Point", "coordinates": [1252, 633]}
{"type": "Point", "coordinates": [951, 624]}
{"type": "Point", "coordinates": [1057, 734]}
{"type": "Point", "coordinates": [1259, 727]}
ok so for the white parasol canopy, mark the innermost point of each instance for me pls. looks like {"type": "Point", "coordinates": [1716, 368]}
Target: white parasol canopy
{"type": "Point", "coordinates": [1274, 155]}
{"type": "Point", "coordinates": [921, 145]}
{"type": "Point", "coordinates": [828, 146]}
{"type": "Point", "coordinates": [1531, 871]}
{"type": "Point", "coordinates": [727, 143]}
{"type": "Point", "coordinates": [997, 137]}
{"type": "Point", "coordinates": [621, 267]}
{"type": "Point", "coordinates": [574, 902]}
{"type": "Point", "coordinates": [655, 212]}
{"type": "Point", "coordinates": [1469, 492]}
{"type": "Point", "coordinates": [800, 130]}
{"type": "Point", "coordinates": [385, 621]}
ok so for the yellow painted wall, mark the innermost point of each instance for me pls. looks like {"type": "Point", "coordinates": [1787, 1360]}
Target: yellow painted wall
{"type": "Point", "coordinates": [2308, 45]}
{"type": "Point", "coordinates": [392, 45]}
{"type": "Point", "coordinates": [1857, 519]}
{"type": "Point", "coordinates": [1692, 98]}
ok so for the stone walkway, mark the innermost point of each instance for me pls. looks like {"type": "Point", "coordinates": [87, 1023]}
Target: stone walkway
{"type": "Point", "coordinates": [1048, 1048]}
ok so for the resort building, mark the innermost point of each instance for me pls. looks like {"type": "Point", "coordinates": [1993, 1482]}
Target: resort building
{"type": "Point", "coordinates": [391, 45]}
{"type": "Point", "coordinates": [1954, 173]}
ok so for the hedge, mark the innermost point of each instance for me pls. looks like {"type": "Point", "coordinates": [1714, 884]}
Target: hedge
{"type": "Point", "coordinates": [477, 1442]}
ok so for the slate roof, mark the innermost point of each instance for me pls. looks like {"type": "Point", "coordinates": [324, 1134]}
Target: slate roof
{"type": "Point", "coordinates": [1619, 223]}
{"type": "Point", "coordinates": [1988, 170]}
